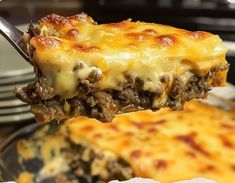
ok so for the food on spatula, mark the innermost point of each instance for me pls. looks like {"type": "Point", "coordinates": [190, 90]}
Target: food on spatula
{"type": "Point", "coordinates": [99, 70]}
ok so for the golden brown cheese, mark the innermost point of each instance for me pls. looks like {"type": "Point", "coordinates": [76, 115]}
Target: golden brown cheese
{"type": "Point", "coordinates": [145, 50]}
{"type": "Point", "coordinates": [25, 177]}
{"type": "Point", "coordinates": [165, 145]}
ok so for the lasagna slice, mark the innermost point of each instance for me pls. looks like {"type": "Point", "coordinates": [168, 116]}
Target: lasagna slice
{"type": "Point", "coordinates": [167, 146]}
{"type": "Point", "coordinates": [99, 70]}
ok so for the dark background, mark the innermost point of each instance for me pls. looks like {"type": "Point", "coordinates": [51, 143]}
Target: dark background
{"type": "Point", "coordinates": [216, 16]}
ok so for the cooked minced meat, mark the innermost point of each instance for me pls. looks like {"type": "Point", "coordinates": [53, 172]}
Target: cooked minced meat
{"type": "Point", "coordinates": [104, 104]}
{"type": "Point", "coordinates": [88, 165]}
{"type": "Point", "coordinates": [82, 163]}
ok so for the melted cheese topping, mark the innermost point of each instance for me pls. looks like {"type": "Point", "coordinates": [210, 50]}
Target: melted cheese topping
{"type": "Point", "coordinates": [167, 145]}
{"type": "Point", "coordinates": [25, 177]}
{"type": "Point", "coordinates": [145, 50]}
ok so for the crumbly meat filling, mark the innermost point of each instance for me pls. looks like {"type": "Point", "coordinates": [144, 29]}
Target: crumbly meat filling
{"type": "Point", "coordinates": [85, 163]}
{"type": "Point", "coordinates": [104, 104]}
{"type": "Point", "coordinates": [88, 165]}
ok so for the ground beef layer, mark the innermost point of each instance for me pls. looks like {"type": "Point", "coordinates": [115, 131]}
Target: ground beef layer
{"type": "Point", "coordinates": [80, 162]}
{"type": "Point", "coordinates": [88, 165]}
{"type": "Point", "coordinates": [104, 104]}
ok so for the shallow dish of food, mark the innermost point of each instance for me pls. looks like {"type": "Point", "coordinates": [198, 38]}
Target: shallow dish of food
{"type": "Point", "coordinates": [199, 141]}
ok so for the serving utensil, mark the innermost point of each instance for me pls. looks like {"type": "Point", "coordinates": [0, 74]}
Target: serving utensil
{"type": "Point", "coordinates": [14, 36]}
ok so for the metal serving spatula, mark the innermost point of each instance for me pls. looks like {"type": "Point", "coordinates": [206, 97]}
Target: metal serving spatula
{"type": "Point", "coordinates": [14, 36]}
